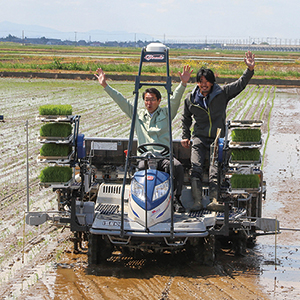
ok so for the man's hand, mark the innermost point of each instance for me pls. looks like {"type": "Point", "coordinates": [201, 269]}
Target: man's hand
{"type": "Point", "coordinates": [101, 77]}
{"type": "Point", "coordinates": [185, 75]}
{"type": "Point", "coordinates": [250, 60]}
{"type": "Point", "coordinates": [186, 143]}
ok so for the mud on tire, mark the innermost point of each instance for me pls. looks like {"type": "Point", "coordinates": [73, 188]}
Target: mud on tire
{"type": "Point", "coordinates": [203, 250]}
{"type": "Point", "coordinates": [99, 249]}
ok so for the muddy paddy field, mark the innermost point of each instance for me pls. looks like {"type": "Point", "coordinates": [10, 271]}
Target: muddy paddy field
{"type": "Point", "coordinates": [38, 262]}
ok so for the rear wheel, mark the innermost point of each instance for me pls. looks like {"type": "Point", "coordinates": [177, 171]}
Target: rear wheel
{"type": "Point", "coordinates": [240, 243]}
{"type": "Point", "coordinates": [251, 242]}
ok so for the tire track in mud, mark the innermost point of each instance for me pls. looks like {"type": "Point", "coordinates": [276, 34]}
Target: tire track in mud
{"type": "Point", "coordinates": [203, 282]}
{"type": "Point", "coordinates": [184, 281]}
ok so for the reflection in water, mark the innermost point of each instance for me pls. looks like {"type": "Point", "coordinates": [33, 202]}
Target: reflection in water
{"type": "Point", "coordinates": [281, 279]}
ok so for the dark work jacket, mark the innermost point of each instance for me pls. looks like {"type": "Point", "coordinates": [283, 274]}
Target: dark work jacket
{"type": "Point", "coordinates": [208, 121]}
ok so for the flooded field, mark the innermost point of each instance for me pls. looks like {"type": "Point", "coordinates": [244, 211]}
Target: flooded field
{"type": "Point", "coordinates": [283, 177]}
{"type": "Point", "coordinates": [38, 262]}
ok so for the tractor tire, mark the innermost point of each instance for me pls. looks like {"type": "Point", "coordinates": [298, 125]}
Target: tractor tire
{"type": "Point", "coordinates": [204, 250]}
{"type": "Point", "coordinates": [251, 242]}
{"type": "Point", "coordinates": [209, 255]}
{"type": "Point", "coordinates": [240, 243]}
{"type": "Point", "coordinates": [99, 249]}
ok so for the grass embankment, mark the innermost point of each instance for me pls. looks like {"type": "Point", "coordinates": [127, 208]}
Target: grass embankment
{"type": "Point", "coordinates": [39, 58]}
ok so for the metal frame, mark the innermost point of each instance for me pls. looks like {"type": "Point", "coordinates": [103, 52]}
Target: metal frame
{"type": "Point", "coordinates": [149, 56]}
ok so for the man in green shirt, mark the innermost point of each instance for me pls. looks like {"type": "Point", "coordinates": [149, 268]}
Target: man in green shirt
{"type": "Point", "coordinates": [152, 121]}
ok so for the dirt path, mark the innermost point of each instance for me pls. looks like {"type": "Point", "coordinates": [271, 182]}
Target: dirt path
{"type": "Point", "coordinates": [44, 267]}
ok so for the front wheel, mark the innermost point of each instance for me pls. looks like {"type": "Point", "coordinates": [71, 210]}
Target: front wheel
{"type": "Point", "coordinates": [204, 250]}
{"type": "Point", "coordinates": [100, 249]}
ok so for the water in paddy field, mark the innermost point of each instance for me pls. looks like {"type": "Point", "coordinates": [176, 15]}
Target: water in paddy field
{"type": "Point", "coordinates": [280, 266]}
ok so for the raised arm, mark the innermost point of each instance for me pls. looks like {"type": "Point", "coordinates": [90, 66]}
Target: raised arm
{"type": "Point", "coordinates": [100, 75]}
{"type": "Point", "coordinates": [185, 75]}
{"type": "Point", "coordinates": [250, 60]}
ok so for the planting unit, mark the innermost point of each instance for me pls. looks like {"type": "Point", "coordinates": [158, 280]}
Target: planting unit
{"type": "Point", "coordinates": [241, 180]}
{"type": "Point", "coordinates": [117, 207]}
{"type": "Point", "coordinates": [58, 145]}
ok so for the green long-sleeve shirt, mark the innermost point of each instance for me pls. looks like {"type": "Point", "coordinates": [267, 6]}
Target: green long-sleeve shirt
{"type": "Point", "coordinates": [150, 129]}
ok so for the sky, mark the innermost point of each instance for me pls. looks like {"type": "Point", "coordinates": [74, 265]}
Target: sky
{"type": "Point", "coordinates": [190, 20]}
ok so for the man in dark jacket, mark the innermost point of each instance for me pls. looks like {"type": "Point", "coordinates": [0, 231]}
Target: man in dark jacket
{"type": "Point", "coordinates": [206, 106]}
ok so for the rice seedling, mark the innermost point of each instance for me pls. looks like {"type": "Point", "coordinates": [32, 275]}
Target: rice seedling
{"type": "Point", "coordinates": [236, 102]}
{"type": "Point", "coordinates": [259, 102]}
{"type": "Point", "coordinates": [254, 97]}
{"type": "Point", "coordinates": [55, 150]}
{"type": "Point", "coordinates": [50, 109]}
{"type": "Point", "coordinates": [244, 104]}
{"type": "Point", "coordinates": [56, 174]}
{"type": "Point", "coordinates": [56, 130]}
{"type": "Point", "coordinates": [246, 135]}
{"type": "Point", "coordinates": [268, 134]}
{"type": "Point", "coordinates": [245, 181]}
{"type": "Point", "coordinates": [245, 155]}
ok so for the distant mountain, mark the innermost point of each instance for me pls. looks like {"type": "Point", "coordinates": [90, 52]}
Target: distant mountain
{"type": "Point", "coordinates": [36, 31]}
{"type": "Point", "coordinates": [18, 30]}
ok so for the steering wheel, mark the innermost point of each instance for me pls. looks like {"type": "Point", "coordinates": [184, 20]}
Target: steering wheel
{"type": "Point", "coordinates": [143, 148]}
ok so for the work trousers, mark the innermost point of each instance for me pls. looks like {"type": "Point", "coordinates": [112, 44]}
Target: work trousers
{"type": "Point", "coordinates": [200, 150]}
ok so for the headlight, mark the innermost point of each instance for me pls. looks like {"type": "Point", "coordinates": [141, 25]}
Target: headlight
{"type": "Point", "coordinates": [137, 190]}
{"type": "Point", "coordinates": [161, 190]}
